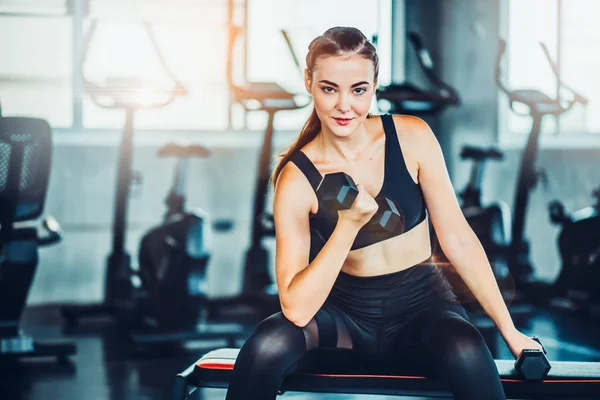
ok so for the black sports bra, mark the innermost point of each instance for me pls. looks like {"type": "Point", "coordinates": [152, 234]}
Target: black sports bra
{"type": "Point", "coordinates": [398, 185]}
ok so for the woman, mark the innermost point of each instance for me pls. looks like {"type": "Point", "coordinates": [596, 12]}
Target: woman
{"type": "Point", "coordinates": [342, 283]}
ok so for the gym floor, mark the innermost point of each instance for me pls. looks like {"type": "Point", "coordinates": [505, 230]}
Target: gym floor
{"type": "Point", "coordinates": [105, 367]}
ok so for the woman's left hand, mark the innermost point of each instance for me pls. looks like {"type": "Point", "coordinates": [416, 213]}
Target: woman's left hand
{"type": "Point", "coordinates": [517, 342]}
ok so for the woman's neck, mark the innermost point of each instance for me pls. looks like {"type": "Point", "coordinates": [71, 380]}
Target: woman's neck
{"type": "Point", "coordinates": [346, 148]}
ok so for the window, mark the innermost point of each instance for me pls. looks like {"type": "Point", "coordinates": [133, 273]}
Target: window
{"type": "Point", "coordinates": [39, 41]}
{"type": "Point", "coordinates": [35, 72]}
{"type": "Point", "coordinates": [192, 37]}
{"type": "Point", "coordinates": [569, 30]}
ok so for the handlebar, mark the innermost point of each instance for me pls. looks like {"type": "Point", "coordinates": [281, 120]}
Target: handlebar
{"type": "Point", "coordinates": [427, 65]}
{"type": "Point", "coordinates": [537, 101]}
{"type": "Point", "coordinates": [123, 91]}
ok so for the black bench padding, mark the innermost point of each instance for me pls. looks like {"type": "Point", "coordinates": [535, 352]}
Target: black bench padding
{"type": "Point", "coordinates": [342, 372]}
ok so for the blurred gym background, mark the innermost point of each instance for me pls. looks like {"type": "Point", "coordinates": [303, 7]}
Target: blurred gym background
{"type": "Point", "coordinates": [188, 73]}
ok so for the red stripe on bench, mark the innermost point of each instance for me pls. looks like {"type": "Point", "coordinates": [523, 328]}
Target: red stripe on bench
{"type": "Point", "coordinates": [367, 376]}
{"type": "Point", "coordinates": [229, 366]}
{"type": "Point", "coordinates": [214, 366]}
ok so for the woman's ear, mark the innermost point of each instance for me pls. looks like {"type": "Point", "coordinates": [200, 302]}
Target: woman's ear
{"type": "Point", "coordinates": [307, 80]}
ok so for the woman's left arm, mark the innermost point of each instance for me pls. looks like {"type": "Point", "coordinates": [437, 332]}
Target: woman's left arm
{"type": "Point", "coordinates": [457, 239]}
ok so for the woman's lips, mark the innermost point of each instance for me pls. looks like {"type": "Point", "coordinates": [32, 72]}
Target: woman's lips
{"type": "Point", "coordinates": [342, 121]}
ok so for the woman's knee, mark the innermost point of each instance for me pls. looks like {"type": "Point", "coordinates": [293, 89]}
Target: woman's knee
{"type": "Point", "coordinates": [463, 358]}
{"type": "Point", "coordinates": [270, 351]}
{"type": "Point", "coordinates": [275, 338]}
{"type": "Point", "coordinates": [458, 342]}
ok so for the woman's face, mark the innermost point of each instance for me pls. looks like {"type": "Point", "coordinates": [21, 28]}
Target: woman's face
{"type": "Point", "coordinates": [342, 89]}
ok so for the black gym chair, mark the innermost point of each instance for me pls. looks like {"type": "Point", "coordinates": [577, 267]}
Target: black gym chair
{"type": "Point", "coordinates": [25, 163]}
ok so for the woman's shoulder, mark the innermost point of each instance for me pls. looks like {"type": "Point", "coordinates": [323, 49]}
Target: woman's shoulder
{"type": "Point", "coordinates": [291, 177]}
{"type": "Point", "coordinates": [293, 188]}
{"type": "Point", "coordinates": [409, 123]}
{"type": "Point", "coordinates": [412, 130]}
{"type": "Point", "coordinates": [415, 136]}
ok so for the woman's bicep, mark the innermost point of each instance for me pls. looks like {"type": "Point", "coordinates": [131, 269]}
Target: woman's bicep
{"type": "Point", "coordinates": [291, 208]}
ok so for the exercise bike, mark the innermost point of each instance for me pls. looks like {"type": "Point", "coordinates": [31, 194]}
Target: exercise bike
{"type": "Point", "coordinates": [173, 258]}
{"type": "Point", "coordinates": [137, 301]}
{"type": "Point", "coordinates": [25, 161]}
{"type": "Point", "coordinates": [539, 105]}
{"type": "Point", "coordinates": [259, 297]}
{"type": "Point", "coordinates": [577, 287]}
{"type": "Point", "coordinates": [490, 223]}
{"type": "Point", "coordinates": [407, 98]}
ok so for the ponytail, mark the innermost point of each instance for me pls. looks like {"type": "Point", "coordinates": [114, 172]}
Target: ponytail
{"type": "Point", "coordinates": [309, 131]}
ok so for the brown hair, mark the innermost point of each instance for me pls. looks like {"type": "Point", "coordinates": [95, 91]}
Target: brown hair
{"type": "Point", "coordinates": [335, 41]}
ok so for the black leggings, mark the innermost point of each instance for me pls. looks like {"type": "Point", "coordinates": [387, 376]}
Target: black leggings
{"type": "Point", "coordinates": [410, 317]}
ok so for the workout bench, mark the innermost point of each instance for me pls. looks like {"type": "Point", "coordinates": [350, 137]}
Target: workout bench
{"type": "Point", "coordinates": [338, 372]}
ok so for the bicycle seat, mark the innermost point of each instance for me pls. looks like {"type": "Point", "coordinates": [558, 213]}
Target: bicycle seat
{"type": "Point", "coordinates": [175, 150]}
{"type": "Point", "coordinates": [481, 153]}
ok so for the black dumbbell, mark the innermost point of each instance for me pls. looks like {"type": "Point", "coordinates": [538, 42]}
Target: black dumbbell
{"type": "Point", "coordinates": [532, 364]}
{"type": "Point", "coordinates": [338, 191]}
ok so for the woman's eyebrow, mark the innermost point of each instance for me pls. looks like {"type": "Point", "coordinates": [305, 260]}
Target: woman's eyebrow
{"type": "Point", "coordinates": [336, 85]}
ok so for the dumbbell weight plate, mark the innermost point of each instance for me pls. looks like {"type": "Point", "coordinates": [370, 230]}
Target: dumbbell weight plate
{"type": "Point", "coordinates": [532, 364]}
{"type": "Point", "coordinates": [388, 215]}
{"type": "Point", "coordinates": [337, 191]}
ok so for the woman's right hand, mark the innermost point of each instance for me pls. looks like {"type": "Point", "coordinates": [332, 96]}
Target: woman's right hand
{"type": "Point", "coordinates": [362, 210]}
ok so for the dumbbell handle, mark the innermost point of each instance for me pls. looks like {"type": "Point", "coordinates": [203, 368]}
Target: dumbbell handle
{"type": "Point", "coordinates": [538, 340]}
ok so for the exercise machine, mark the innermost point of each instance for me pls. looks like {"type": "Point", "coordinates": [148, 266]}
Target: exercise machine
{"type": "Point", "coordinates": [151, 304]}
{"type": "Point", "coordinates": [259, 292]}
{"type": "Point", "coordinates": [25, 163]}
{"type": "Point", "coordinates": [120, 93]}
{"type": "Point", "coordinates": [490, 222]}
{"type": "Point", "coordinates": [171, 303]}
{"type": "Point", "coordinates": [407, 98]}
{"type": "Point", "coordinates": [577, 287]}
{"type": "Point", "coordinates": [539, 105]}
{"type": "Point", "coordinates": [335, 371]}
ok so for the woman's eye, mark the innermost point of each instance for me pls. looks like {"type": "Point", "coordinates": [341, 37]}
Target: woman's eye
{"type": "Point", "coordinates": [328, 89]}
{"type": "Point", "coordinates": [360, 90]}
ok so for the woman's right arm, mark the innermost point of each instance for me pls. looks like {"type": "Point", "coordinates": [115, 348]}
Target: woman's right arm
{"type": "Point", "coordinates": [303, 287]}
